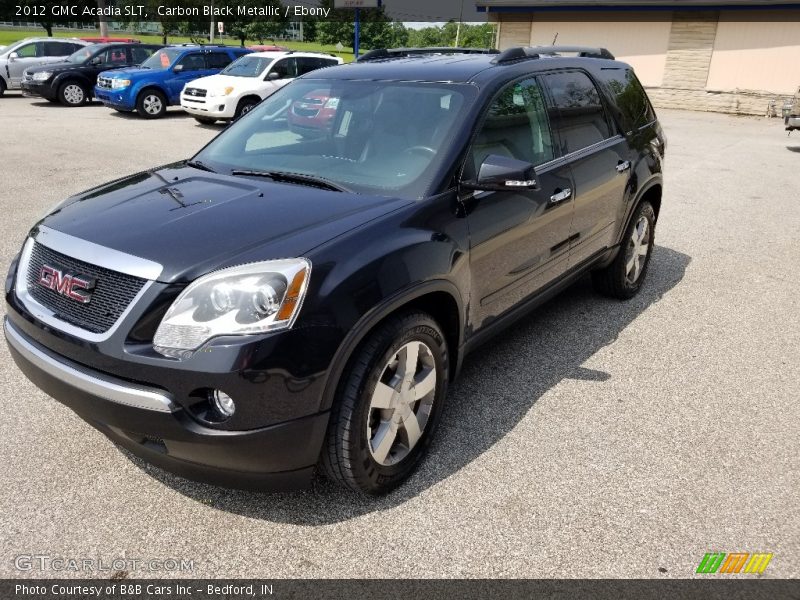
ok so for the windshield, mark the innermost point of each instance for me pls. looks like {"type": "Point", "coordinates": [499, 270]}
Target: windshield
{"type": "Point", "coordinates": [81, 55]}
{"type": "Point", "coordinates": [375, 137]}
{"type": "Point", "coordinates": [247, 66]}
{"type": "Point", "coordinates": [162, 59]}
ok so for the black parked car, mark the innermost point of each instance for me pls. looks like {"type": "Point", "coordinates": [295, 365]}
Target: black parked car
{"type": "Point", "coordinates": [72, 81]}
{"type": "Point", "coordinates": [277, 303]}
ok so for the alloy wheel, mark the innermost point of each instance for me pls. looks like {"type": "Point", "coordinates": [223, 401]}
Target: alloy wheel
{"type": "Point", "coordinates": [74, 94]}
{"type": "Point", "coordinates": [152, 104]}
{"type": "Point", "coordinates": [638, 247]}
{"type": "Point", "coordinates": [401, 403]}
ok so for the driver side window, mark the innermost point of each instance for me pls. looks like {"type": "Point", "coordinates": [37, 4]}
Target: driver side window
{"type": "Point", "coordinates": [516, 126]}
{"type": "Point", "coordinates": [28, 51]}
{"type": "Point", "coordinates": [193, 62]}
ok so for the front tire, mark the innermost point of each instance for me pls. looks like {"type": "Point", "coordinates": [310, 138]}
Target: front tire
{"type": "Point", "coordinates": [2, 87]}
{"type": "Point", "coordinates": [151, 104]}
{"type": "Point", "coordinates": [71, 93]}
{"type": "Point", "coordinates": [624, 277]}
{"type": "Point", "coordinates": [245, 106]}
{"type": "Point", "coordinates": [388, 404]}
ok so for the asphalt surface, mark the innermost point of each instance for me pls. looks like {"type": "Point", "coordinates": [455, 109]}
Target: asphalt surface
{"type": "Point", "coordinates": [596, 439]}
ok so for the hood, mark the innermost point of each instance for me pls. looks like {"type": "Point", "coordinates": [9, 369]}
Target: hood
{"type": "Point", "coordinates": [193, 222]}
{"type": "Point", "coordinates": [213, 82]}
{"type": "Point", "coordinates": [129, 73]}
{"type": "Point", "coordinates": [55, 67]}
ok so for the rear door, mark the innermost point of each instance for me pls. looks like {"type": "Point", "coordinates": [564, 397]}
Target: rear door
{"type": "Point", "coordinates": [598, 156]}
{"type": "Point", "coordinates": [519, 240]}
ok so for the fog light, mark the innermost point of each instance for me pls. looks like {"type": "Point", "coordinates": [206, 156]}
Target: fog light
{"type": "Point", "coordinates": [223, 403]}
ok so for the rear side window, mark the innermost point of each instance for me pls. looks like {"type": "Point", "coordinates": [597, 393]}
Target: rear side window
{"type": "Point", "coordinates": [218, 60]}
{"type": "Point", "coordinates": [515, 126]}
{"type": "Point", "coordinates": [632, 107]}
{"type": "Point", "coordinates": [578, 114]}
{"type": "Point", "coordinates": [139, 54]}
{"type": "Point", "coordinates": [57, 49]}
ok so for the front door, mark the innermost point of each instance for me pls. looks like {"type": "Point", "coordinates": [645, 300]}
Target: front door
{"type": "Point", "coordinates": [188, 68]}
{"type": "Point", "coordinates": [28, 55]}
{"type": "Point", "coordinates": [519, 240]}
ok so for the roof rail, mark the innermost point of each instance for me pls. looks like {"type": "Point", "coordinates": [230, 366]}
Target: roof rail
{"type": "Point", "coordinates": [521, 52]}
{"type": "Point", "coordinates": [380, 53]}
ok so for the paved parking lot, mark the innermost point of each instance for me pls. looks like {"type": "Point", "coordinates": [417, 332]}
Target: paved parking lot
{"type": "Point", "coordinates": [596, 439]}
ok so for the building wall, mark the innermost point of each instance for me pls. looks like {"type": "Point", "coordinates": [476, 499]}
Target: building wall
{"type": "Point", "coordinates": [729, 61]}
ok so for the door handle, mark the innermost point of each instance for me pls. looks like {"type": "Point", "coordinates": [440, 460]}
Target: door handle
{"type": "Point", "coordinates": [561, 196]}
{"type": "Point", "coordinates": [623, 166]}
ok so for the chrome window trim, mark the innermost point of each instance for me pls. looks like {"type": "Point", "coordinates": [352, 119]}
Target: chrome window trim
{"type": "Point", "coordinates": [578, 154]}
{"type": "Point", "coordinates": [101, 386]}
{"type": "Point", "coordinates": [86, 252]}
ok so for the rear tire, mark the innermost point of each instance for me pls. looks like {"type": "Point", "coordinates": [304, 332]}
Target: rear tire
{"type": "Point", "coordinates": [2, 87]}
{"type": "Point", "coordinates": [71, 93]}
{"type": "Point", "coordinates": [385, 413]}
{"type": "Point", "coordinates": [151, 104]}
{"type": "Point", "coordinates": [205, 120]}
{"type": "Point", "coordinates": [624, 277]}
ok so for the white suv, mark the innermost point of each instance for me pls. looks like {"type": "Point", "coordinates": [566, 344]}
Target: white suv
{"type": "Point", "coordinates": [246, 82]}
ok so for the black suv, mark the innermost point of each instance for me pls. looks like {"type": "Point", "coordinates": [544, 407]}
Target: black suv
{"type": "Point", "coordinates": [72, 81]}
{"type": "Point", "coordinates": [277, 302]}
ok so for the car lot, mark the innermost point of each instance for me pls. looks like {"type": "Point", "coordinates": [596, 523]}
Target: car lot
{"type": "Point", "coordinates": [595, 439]}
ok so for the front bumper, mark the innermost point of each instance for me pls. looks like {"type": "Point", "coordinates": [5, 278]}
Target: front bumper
{"type": "Point", "coordinates": [218, 107]}
{"type": "Point", "coordinates": [148, 422]}
{"type": "Point", "coordinates": [36, 89]}
{"type": "Point", "coordinates": [115, 99]}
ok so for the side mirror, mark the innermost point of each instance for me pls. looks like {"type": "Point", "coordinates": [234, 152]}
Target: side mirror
{"type": "Point", "coordinates": [13, 56]}
{"type": "Point", "coordinates": [273, 75]}
{"type": "Point", "coordinates": [177, 68]}
{"type": "Point", "coordinates": [501, 173]}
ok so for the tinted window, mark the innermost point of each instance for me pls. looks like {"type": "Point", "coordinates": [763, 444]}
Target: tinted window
{"type": "Point", "coordinates": [632, 106]}
{"type": "Point", "coordinates": [286, 67]}
{"type": "Point", "coordinates": [218, 60]}
{"type": "Point", "coordinates": [57, 49]}
{"type": "Point", "coordinates": [578, 115]}
{"type": "Point", "coordinates": [139, 54]}
{"type": "Point", "coordinates": [28, 50]}
{"type": "Point", "coordinates": [306, 64]}
{"type": "Point", "coordinates": [515, 126]}
{"type": "Point", "coordinates": [192, 62]}
{"type": "Point", "coordinates": [113, 56]}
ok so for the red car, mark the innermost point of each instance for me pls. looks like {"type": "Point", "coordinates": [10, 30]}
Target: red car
{"type": "Point", "coordinates": [313, 114]}
{"type": "Point", "coordinates": [107, 40]}
{"type": "Point", "coordinates": [267, 48]}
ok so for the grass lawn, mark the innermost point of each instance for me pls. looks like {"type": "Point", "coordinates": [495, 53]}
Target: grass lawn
{"type": "Point", "coordinates": [9, 36]}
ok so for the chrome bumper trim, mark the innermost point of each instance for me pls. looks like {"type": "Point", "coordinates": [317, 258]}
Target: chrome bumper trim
{"type": "Point", "coordinates": [107, 388]}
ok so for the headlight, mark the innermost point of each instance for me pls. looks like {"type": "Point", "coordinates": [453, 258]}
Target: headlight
{"type": "Point", "coordinates": [223, 92]}
{"type": "Point", "coordinates": [117, 84]}
{"type": "Point", "coordinates": [332, 103]}
{"type": "Point", "coordinates": [42, 75]}
{"type": "Point", "coordinates": [248, 299]}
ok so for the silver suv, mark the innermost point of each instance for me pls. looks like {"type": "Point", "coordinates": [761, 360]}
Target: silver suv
{"type": "Point", "coordinates": [17, 57]}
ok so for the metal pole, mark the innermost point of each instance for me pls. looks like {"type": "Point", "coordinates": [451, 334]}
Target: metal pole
{"type": "Point", "coordinates": [211, 28]}
{"type": "Point", "coordinates": [357, 32]}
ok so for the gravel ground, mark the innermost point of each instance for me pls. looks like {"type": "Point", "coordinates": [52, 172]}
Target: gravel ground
{"type": "Point", "coordinates": [596, 439]}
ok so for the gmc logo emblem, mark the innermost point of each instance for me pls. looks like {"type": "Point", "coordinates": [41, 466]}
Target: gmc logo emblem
{"type": "Point", "coordinates": [72, 286]}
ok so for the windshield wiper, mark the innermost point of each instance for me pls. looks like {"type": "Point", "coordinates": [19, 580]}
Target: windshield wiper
{"type": "Point", "coordinates": [312, 180]}
{"type": "Point", "coordinates": [197, 164]}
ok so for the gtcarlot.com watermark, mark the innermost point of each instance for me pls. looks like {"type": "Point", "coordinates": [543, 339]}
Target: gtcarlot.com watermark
{"type": "Point", "coordinates": [65, 564]}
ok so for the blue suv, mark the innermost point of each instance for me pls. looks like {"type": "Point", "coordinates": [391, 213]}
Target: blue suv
{"type": "Point", "coordinates": [157, 83]}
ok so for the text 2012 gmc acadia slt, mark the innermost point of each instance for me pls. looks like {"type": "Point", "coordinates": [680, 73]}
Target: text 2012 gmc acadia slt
{"type": "Point", "coordinates": [280, 303]}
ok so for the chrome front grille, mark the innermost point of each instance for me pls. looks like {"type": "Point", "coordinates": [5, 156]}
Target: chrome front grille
{"type": "Point", "coordinates": [112, 294]}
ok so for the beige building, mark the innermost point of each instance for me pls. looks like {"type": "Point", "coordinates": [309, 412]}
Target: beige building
{"type": "Point", "coordinates": [719, 55]}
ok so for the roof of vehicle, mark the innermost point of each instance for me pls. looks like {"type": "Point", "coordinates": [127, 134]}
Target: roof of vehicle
{"type": "Point", "coordinates": [455, 67]}
{"type": "Point", "coordinates": [36, 38]}
{"type": "Point", "coordinates": [282, 53]}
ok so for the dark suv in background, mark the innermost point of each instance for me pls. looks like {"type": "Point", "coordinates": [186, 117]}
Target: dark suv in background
{"type": "Point", "coordinates": [72, 81]}
{"type": "Point", "coordinates": [280, 302]}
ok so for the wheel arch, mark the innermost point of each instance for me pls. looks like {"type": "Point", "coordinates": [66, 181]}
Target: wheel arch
{"type": "Point", "coordinates": [651, 192]}
{"type": "Point", "coordinates": [439, 298]}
